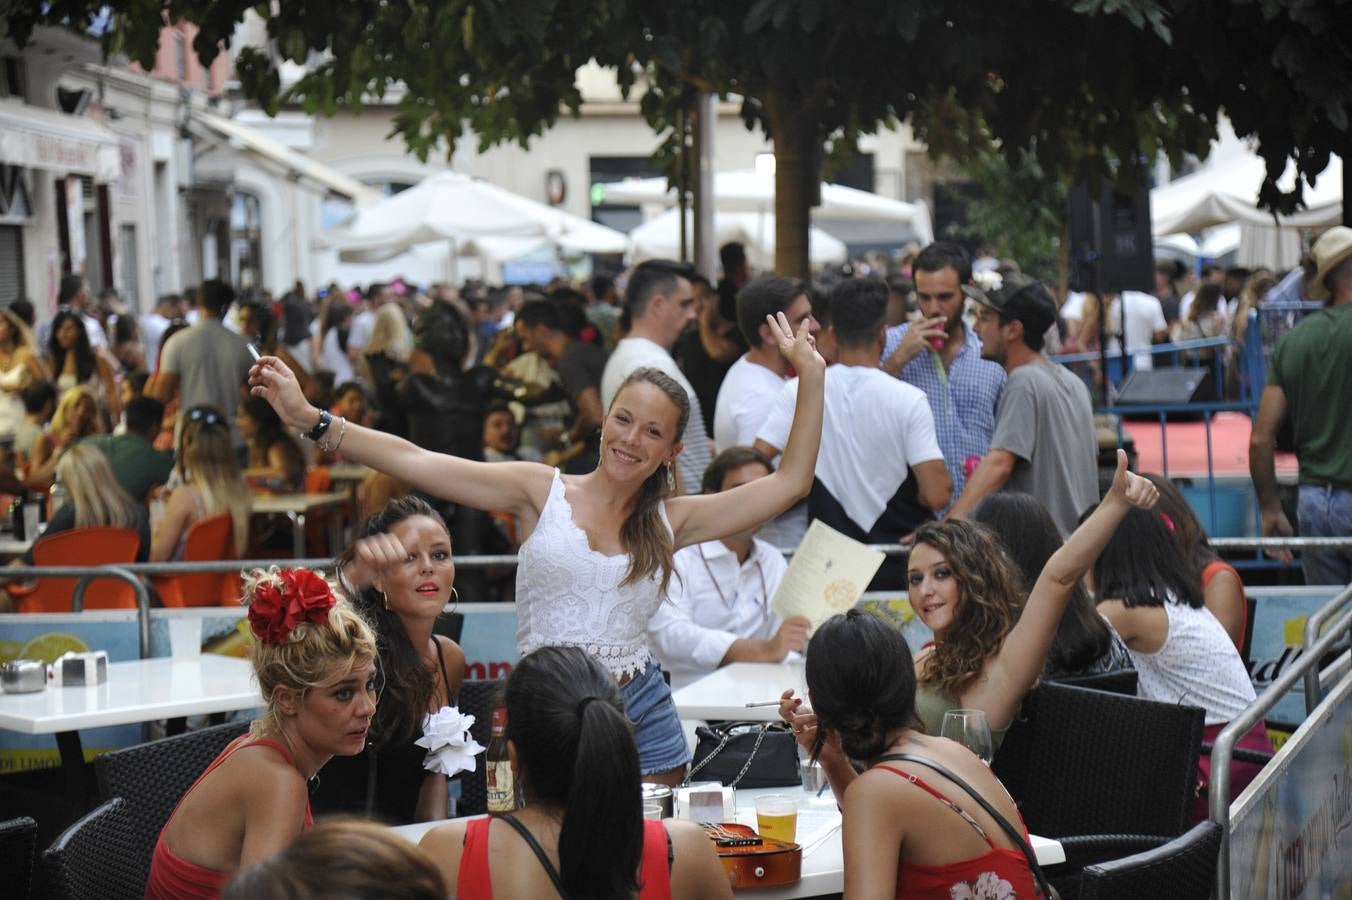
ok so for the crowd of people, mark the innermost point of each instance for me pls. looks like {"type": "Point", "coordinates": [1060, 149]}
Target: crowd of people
{"type": "Point", "coordinates": [647, 461]}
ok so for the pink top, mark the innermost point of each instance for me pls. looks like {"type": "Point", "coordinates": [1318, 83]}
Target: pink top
{"type": "Point", "coordinates": [174, 878]}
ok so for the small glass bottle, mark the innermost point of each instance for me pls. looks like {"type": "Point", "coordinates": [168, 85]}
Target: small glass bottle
{"type": "Point", "coordinates": [502, 793]}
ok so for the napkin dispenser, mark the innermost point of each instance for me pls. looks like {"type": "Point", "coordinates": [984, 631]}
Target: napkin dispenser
{"type": "Point", "coordinates": [81, 669]}
{"type": "Point", "coordinates": [706, 802]}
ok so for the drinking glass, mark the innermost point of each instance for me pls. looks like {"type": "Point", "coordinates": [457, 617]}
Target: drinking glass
{"type": "Point", "coordinates": [970, 728]}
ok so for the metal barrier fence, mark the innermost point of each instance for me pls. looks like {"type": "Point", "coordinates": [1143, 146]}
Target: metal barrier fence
{"type": "Point", "coordinates": [1314, 689]}
{"type": "Point", "coordinates": [1222, 753]}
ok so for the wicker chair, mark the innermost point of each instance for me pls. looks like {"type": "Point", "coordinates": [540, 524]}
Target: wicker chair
{"type": "Point", "coordinates": [1123, 681]}
{"type": "Point", "coordinates": [18, 838]}
{"type": "Point", "coordinates": [153, 777]}
{"type": "Point", "coordinates": [95, 857]}
{"type": "Point", "coordinates": [1183, 869]}
{"type": "Point", "coordinates": [478, 698]}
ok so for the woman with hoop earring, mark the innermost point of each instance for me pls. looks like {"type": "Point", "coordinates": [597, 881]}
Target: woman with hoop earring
{"type": "Point", "coordinates": [399, 575]}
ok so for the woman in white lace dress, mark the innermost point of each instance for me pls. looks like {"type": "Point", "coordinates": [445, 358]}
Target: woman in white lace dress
{"type": "Point", "coordinates": [597, 564]}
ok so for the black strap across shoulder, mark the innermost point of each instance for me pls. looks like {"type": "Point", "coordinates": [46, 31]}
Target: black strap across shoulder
{"type": "Point", "coordinates": [1000, 820]}
{"type": "Point", "coordinates": [535, 847]}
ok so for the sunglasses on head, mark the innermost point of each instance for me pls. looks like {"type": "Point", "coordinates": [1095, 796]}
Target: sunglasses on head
{"type": "Point", "coordinates": [205, 416]}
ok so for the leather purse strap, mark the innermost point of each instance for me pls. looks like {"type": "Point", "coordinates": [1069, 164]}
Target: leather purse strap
{"type": "Point", "coordinates": [1000, 820]}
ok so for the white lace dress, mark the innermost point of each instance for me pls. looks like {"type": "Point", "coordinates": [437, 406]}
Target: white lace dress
{"type": "Point", "coordinates": [569, 595]}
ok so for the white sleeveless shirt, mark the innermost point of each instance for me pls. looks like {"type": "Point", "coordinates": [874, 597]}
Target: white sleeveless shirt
{"type": "Point", "coordinates": [569, 595]}
{"type": "Point", "coordinates": [1197, 666]}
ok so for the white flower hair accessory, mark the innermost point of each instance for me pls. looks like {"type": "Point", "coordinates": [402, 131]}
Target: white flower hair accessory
{"type": "Point", "coordinates": [988, 280]}
{"type": "Point", "coordinates": [450, 748]}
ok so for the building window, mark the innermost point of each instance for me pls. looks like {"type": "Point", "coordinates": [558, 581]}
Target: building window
{"type": "Point", "coordinates": [181, 56]}
{"type": "Point", "coordinates": [246, 241]}
{"type": "Point", "coordinates": [11, 264]}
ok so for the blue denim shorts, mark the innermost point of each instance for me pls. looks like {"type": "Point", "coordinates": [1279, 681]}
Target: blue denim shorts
{"type": "Point", "coordinates": [657, 729]}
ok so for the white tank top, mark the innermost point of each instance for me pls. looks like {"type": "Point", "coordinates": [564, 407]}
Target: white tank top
{"type": "Point", "coordinates": [569, 595]}
{"type": "Point", "coordinates": [1197, 666]}
{"type": "Point", "coordinates": [11, 403]}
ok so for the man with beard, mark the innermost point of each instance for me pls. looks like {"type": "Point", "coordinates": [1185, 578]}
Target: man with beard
{"type": "Point", "coordinates": [942, 356]}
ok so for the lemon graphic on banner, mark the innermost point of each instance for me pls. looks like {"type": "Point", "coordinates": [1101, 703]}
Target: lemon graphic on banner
{"type": "Point", "coordinates": [51, 646]}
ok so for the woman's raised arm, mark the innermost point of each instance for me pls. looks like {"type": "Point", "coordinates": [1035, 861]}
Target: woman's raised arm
{"type": "Point", "coordinates": [706, 517]}
{"type": "Point", "coordinates": [1022, 655]}
{"type": "Point", "coordinates": [514, 488]}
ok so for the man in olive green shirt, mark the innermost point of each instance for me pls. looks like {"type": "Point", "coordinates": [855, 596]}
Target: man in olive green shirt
{"type": "Point", "coordinates": [135, 462]}
{"type": "Point", "coordinates": [1311, 378]}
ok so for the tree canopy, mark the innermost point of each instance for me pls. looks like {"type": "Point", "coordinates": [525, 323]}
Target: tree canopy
{"type": "Point", "coordinates": [1078, 88]}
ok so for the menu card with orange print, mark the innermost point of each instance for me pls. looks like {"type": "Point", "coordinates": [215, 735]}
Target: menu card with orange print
{"type": "Point", "coordinates": [827, 575]}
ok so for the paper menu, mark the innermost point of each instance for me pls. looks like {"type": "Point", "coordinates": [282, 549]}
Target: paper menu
{"type": "Point", "coordinates": [827, 575]}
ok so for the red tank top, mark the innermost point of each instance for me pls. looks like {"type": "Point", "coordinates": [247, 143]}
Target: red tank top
{"type": "Point", "coordinates": [472, 881]}
{"type": "Point", "coordinates": [995, 873]}
{"type": "Point", "coordinates": [174, 878]}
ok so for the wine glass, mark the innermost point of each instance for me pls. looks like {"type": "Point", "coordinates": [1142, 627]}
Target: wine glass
{"type": "Point", "coordinates": [972, 729]}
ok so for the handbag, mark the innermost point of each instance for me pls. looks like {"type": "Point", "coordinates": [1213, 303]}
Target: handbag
{"type": "Point", "coordinates": [1044, 887]}
{"type": "Point", "coordinates": [746, 754]}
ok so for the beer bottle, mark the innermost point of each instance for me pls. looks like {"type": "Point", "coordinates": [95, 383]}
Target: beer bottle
{"type": "Point", "coordinates": [502, 795]}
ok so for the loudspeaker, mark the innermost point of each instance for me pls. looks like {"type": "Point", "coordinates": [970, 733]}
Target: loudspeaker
{"type": "Point", "coordinates": [1161, 387]}
{"type": "Point", "coordinates": [1125, 249]}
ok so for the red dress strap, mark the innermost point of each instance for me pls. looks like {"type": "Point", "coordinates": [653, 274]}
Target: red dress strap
{"type": "Point", "coordinates": [473, 881]}
{"type": "Point", "coordinates": [942, 798]}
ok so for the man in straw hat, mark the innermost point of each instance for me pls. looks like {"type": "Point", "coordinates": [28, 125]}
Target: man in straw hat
{"type": "Point", "coordinates": [1311, 378]}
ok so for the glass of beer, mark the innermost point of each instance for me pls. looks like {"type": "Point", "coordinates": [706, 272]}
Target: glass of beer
{"type": "Point", "coordinates": [777, 817]}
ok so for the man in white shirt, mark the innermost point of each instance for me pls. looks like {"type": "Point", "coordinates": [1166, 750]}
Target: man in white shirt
{"type": "Point", "coordinates": [719, 610]}
{"type": "Point", "coordinates": [880, 473]}
{"type": "Point", "coordinates": [156, 322]}
{"type": "Point", "coordinates": [757, 377]}
{"type": "Point", "coordinates": [660, 306]}
{"type": "Point", "coordinates": [1145, 325]}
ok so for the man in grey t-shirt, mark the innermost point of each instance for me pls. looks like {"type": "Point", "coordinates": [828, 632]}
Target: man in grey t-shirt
{"type": "Point", "coordinates": [207, 363]}
{"type": "Point", "coordinates": [1044, 442]}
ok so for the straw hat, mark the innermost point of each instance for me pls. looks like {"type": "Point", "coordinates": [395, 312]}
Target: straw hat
{"type": "Point", "coordinates": [1333, 246]}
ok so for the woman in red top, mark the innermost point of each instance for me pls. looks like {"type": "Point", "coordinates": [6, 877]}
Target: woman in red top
{"type": "Point", "coordinates": [908, 832]}
{"type": "Point", "coordinates": [581, 832]}
{"type": "Point", "coordinates": [314, 659]}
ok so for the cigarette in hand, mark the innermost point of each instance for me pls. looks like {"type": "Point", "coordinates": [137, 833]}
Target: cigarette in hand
{"type": "Point", "coordinates": [253, 351]}
{"type": "Point", "coordinates": [764, 703]}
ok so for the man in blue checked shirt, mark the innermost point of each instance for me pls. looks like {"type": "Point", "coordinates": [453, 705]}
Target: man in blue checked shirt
{"type": "Point", "coordinates": [942, 356]}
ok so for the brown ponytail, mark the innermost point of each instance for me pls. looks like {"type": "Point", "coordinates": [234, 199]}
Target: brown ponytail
{"type": "Point", "coordinates": [645, 533]}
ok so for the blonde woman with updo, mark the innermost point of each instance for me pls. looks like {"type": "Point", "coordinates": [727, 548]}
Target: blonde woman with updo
{"type": "Point", "coordinates": [76, 416]}
{"type": "Point", "coordinates": [210, 485]}
{"type": "Point", "coordinates": [315, 661]}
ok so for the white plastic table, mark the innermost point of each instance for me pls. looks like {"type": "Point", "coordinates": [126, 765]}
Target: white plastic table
{"type": "Point", "coordinates": [142, 690]}
{"type": "Point", "coordinates": [723, 694]}
{"type": "Point", "coordinates": [819, 834]}
{"type": "Point", "coordinates": [296, 507]}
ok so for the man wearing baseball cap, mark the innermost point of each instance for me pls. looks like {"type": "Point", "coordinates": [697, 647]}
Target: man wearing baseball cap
{"type": "Point", "coordinates": [1043, 442]}
{"type": "Point", "coordinates": [1311, 380]}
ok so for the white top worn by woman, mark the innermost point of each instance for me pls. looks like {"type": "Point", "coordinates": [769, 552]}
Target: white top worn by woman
{"type": "Point", "coordinates": [1197, 666]}
{"type": "Point", "coordinates": [569, 595]}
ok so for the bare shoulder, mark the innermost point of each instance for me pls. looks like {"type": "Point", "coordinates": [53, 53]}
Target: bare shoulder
{"type": "Point", "coordinates": [453, 658]}
{"type": "Point", "coordinates": [444, 840]}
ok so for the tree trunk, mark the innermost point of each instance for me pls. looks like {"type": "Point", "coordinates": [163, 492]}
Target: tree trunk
{"type": "Point", "coordinates": [792, 129]}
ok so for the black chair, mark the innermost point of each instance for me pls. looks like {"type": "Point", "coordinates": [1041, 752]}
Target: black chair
{"type": "Point", "coordinates": [153, 777]}
{"type": "Point", "coordinates": [18, 838]}
{"type": "Point", "coordinates": [478, 698]}
{"type": "Point", "coordinates": [1123, 681]}
{"type": "Point", "coordinates": [1183, 869]}
{"type": "Point", "coordinates": [96, 857]}
{"type": "Point", "coordinates": [1100, 763]}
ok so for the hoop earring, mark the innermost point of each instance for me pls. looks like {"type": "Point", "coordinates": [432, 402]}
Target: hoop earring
{"type": "Point", "coordinates": [671, 480]}
{"type": "Point", "coordinates": [455, 599]}
{"type": "Point", "coordinates": [385, 600]}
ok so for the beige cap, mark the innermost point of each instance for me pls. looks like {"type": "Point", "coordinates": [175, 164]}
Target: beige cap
{"type": "Point", "coordinates": [1333, 246]}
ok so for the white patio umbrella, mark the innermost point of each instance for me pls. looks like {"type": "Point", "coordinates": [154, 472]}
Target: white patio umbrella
{"type": "Point", "coordinates": [751, 191]}
{"type": "Point", "coordinates": [659, 238]}
{"type": "Point", "coordinates": [1228, 192]}
{"type": "Point", "coordinates": [473, 218]}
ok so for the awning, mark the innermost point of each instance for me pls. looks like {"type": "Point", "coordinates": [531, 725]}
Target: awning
{"type": "Point", "coordinates": [38, 138]}
{"type": "Point", "coordinates": [296, 165]}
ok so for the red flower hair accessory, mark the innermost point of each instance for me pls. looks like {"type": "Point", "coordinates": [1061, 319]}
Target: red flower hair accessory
{"type": "Point", "coordinates": [280, 604]}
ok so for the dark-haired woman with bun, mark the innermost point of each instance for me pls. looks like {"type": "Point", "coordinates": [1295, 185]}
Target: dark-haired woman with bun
{"type": "Point", "coordinates": [581, 832]}
{"type": "Point", "coordinates": [908, 831]}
